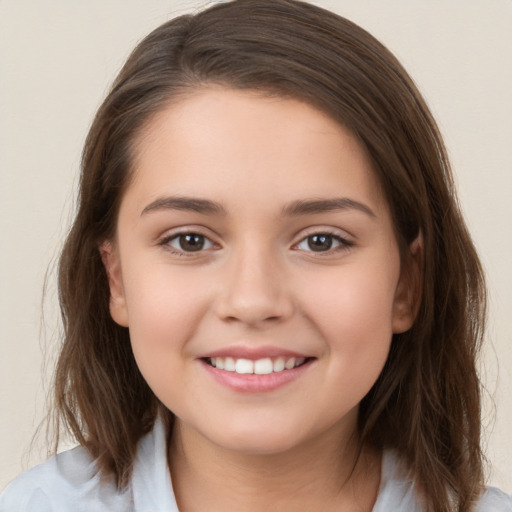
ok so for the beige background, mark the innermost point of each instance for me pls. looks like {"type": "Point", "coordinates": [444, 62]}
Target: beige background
{"type": "Point", "coordinates": [57, 59]}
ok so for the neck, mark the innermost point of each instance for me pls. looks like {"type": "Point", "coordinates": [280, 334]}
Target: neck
{"type": "Point", "coordinates": [327, 473]}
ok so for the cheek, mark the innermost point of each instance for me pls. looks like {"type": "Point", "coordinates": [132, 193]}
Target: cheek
{"type": "Point", "coordinates": [353, 311]}
{"type": "Point", "coordinates": [353, 302]}
{"type": "Point", "coordinates": [164, 308]}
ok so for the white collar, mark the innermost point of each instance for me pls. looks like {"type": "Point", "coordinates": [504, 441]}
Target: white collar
{"type": "Point", "coordinates": [151, 481]}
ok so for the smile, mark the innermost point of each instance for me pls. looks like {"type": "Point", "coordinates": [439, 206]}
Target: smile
{"type": "Point", "coordinates": [262, 366]}
{"type": "Point", "coordinates": [258, 375]}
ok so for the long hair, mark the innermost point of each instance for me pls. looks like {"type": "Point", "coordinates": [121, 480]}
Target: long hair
{"type": "Point", "coordinates": [426, 403]}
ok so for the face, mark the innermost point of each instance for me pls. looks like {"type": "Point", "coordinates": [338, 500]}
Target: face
{"type": "Point", "coordinates": [256, 267]}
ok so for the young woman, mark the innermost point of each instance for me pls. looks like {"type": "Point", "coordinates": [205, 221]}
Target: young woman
{"type": "Point", "coordinates": [270, 299]}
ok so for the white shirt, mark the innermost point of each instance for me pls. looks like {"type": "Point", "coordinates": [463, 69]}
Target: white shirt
{"type": "Point", "coordinates": [68, 482]}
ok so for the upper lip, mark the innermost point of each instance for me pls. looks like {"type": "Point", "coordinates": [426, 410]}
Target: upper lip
{"type": "Point", "coordinates": [253, 353]}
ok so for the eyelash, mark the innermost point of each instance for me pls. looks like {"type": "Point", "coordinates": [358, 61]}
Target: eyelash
{"type": "Point", "coordinates": [166, 243]}
{"type": "Point", "coordinates": [343, 243]}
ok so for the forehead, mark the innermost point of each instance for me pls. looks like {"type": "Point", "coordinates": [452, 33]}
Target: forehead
{"type": "Point", "coordinates": [218, 141]}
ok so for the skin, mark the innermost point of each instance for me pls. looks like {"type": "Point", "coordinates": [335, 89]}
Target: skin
{"type": "Point", "coordinates": [257, 282]}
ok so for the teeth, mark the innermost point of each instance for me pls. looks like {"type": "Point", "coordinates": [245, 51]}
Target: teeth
{"type": "Point", "coordinates": [263, 366]}
{"type": "Point", "coordinates": [229, 364]}
{"type": "Point", "coordinates": [279, 365]}
{"type": "Point", "coordinates": [259, 367]}
{"type": "Point", "coordinates": [243, 366]}
{"type": "Point", "coordinates": [290, 363]}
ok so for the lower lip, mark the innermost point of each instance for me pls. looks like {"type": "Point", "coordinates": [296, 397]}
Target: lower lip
{"type": "Point", "coordinates": [252, 383]}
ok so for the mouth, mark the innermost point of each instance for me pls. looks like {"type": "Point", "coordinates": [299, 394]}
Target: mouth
{"type": "Point", "coordinates": [263, 366]}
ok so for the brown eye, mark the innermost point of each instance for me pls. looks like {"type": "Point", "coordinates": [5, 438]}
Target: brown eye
{"type": "Point", "coordinates": [323, 242]}
{"type": "Point", "coordinates": [189, 242]}
{"type": "Point", "coordinates": [320, 242]}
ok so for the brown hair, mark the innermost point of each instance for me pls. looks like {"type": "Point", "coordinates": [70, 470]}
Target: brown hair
{"type": "Point", "coordinates": [426, 402]}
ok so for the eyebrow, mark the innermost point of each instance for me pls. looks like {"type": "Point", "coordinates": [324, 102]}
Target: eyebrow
{"type": "Point", "coordinates": [296, 208]}
{"type": "Point", "coordinates": [305, 207]}
{"type": "Point", "coordinates": [193, 204]}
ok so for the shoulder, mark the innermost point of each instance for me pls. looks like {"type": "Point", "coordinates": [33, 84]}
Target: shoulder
{"type": "Point", "coordinates": [397, 491]}
{"type": "Point", "coordinates": [494, 500]}
{"type": "Point", "coordinates": [70, 482]}
{"type": "Point", "coordinates": [67, 481]}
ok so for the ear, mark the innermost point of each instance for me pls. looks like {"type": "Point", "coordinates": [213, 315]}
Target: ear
{"type": "Point", "coordinates": [110, 258]}
{"type": "Point", "coordinates": [408, 292]}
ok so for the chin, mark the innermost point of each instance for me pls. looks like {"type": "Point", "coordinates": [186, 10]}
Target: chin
{"type": "Point", "coordinates": [259, 444]}
{"type": "Point", "coordinates": [252, 439]}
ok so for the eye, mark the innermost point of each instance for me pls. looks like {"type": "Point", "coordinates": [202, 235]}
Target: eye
{"type": "Point", "coordinates": [322, 242]}
{"type": "Point", "coordinates": [188, 242]}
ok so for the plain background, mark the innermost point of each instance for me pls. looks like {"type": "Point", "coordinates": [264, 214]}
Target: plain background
{"type": "Point", "coordinates": [57, 59]}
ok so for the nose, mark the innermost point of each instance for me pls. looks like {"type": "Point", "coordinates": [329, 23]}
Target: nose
{"type": "Point", "coordinates": [255, 292]}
